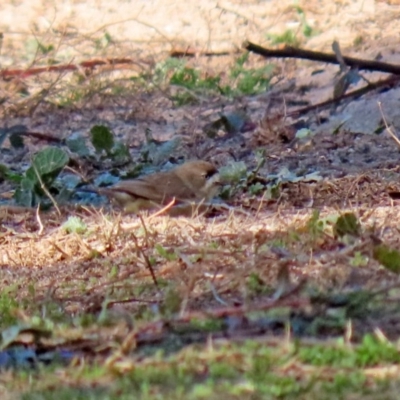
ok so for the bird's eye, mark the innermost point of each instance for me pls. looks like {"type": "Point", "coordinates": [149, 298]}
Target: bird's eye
{"type": "Point", "coordinates": [209, 174]}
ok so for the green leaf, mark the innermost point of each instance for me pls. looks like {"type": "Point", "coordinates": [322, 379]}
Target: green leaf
{"type": "Point", "coordinates": [303, 133]}
{"type": "Point", "coordinates": [389, 258]}
{"type": "Point", "coordinates": [347, 224]}
{"type": "Point", "coordinates": [359, 259]}
{"type": "Point", "coordinates": [9, 335]}
{"type": "Point", "coordinates": [5, 173]}
{"type": "Point", "coordinates": [102, 138]}
{"type": "Point", "coordinates": [77, 144]}
{"type": "Point", "coordinates": [157, 154]}
{"type": "Point", "coordinates": [74, 225]}
{"type": "Point", "coordinates": [12, 334]}
{"type": "Point", "coordinates": [13, 177]}
{"type": "Point", "coordinates": [24, 195]}
{"type": "Point", "coordinates": [49, 161]}
{"type": "Point", "coordinates": [46, 165]}
{"type": "Point", "coordinates": [120, 153]}
{"type": "Point", "coordinates": [172, 301]}
{"type": "Point", "coordinates": [233, 172]}
{"type": "Point", "coordinates": [256, 188]}
{"type": "Point", "coordinates": [170, 256]}
{"type": "Point", "coordinates": [234, 121]}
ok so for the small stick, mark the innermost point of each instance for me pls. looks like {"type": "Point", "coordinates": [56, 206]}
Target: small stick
{"type": "Point", "coordinates": [391, 133]}
{"type": "Point", "coordinates": [166, 208]}
{"type": "Point", "coordinates": [43, 186]}
{"type": "Point", "coordinates": [146, 259]}
{"type": "Point", "coordinates": [39, 221]}
{"type": "Point", "coordinates": [391, 81]}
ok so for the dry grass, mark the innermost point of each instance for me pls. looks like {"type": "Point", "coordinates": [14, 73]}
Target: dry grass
{"type": "Point", "coordinates": [113, 258]}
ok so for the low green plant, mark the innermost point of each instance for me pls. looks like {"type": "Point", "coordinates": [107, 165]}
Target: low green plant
{"type": "Point", "coordinates": [164, 253]}
{"type": "Point", "coordinates": [388, 257]}
{"type": "Point", "coordinates": [247, 370]}
{"type": "Point", "coordinates": [74, 225]}
{"type": "Point", "coordinates": [104, 141]}
{"type": "Point", "coordinates": [191, 83]}
{"type": "Point", "coordinates": [292, 37]}
{"type": "Point", "coordinates": [370, 352]}
{"type": "Point", "coordinates": [347, 224]}
{"type": "Point", "coordinates": [8, 306]}
{"type": "Point", "coordinates": [45, 48]}
{"type": "Point", "coordinates": [237, 177]}
{"type": "Point", "coordinates": [247, 81]}
{"type": "Point", "coordinates": [36, 185]}
{"type": "Point", "coordinates": [288, 37]}
{"type": "Point", "coordinates": [256, 284]}
{"type": "Point", "coordinates": [359, 259]}
{"type": "Point", "coordinates": [317, 226]}
{"type": "Point", "coordinates": [306, 28]}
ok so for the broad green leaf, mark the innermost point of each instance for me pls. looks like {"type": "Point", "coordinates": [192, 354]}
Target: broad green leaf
{"type": "Point", "coordinates": [389, 258]}
{"type": "Point", "coordinates": [77, 144]}
{"type": "Point", "coordinates": [24, 195]}
{"type": "Point", "coordinates": [12, 334]}
{"type": "Point", "coordinates": [158, 153]}
{"type": "Point", "coordinates": [102, 138]}
{"type": "Point", "coordinates": [234, 121]}
{"type": "Point", "coordinates": [49, 161]}
{"type": "Point", "coordinates": [347, 224]}
{"type": "Point", "coordinates": [46, 165]}
{"type": "Point", "coordinates": [233, 172]}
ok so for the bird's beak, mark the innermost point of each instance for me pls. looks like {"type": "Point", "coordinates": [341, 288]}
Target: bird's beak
{"type": "Point", "coordinates": [215, 180]}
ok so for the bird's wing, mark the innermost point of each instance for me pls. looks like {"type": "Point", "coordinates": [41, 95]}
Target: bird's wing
{"type": "Point", "coordinates": [160, 188]}
{"type": "Point", "coordinates": [172, 186]}
{"type": "Point", "coordinates": [140, 188]}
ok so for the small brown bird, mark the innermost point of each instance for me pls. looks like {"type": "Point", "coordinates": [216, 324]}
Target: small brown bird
{"type": "Point", "coordinates": [194, 181]}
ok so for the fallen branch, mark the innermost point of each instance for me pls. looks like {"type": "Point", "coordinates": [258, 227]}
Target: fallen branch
{"type": "Point", "coordinates": [41, 136]}
{"type": "Point", "coordinates": [192, 52]}
{"type": "Point", "coordinates": [292, 52]}
{"type": "Point", "coordinates": [24, 73]}
{"type": "Point", "coordinates": [352, 62]}
{"type": "Point", "coordinates": [389, 82]}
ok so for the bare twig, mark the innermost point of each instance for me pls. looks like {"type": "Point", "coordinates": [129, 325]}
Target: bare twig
{"type": "Point", "coordinates": [216, 295]}
{"type": "Point", "coordinates": [44, 188]}
{"type": "Point", "coordinates": [292, 52]}
{"type": "Point", "coordinates": [91, 64]}
{"type": "Point", "coordinates": [391, 81]}
{"type": "Point", "coordinates": [146, 258]}
{"type": "Point", "coordinates": [39, 221]}
{"type": "Point", "coordinates": [166, 208]}
{"type": "Point", "coordinates": [391, 133]}
{"type": "Point", "coordinates": [193, 52]}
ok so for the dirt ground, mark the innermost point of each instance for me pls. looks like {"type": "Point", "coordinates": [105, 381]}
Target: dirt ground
{"type": "Point", "coordinates": [148, 31]}
{"type": "Point", "coordinates": [357, 165]}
